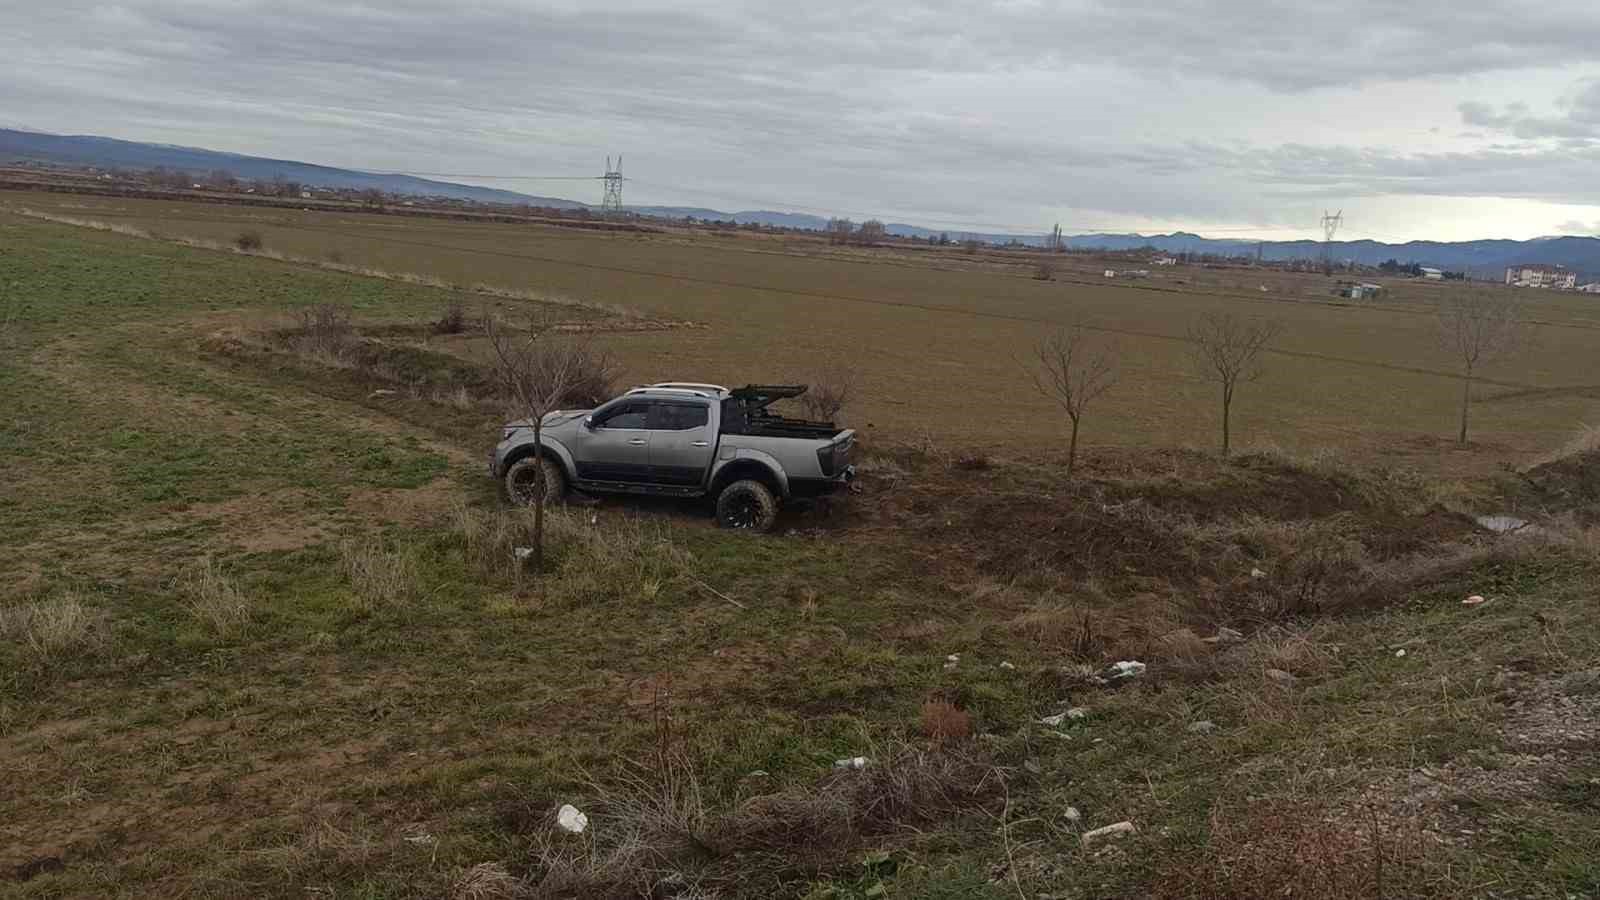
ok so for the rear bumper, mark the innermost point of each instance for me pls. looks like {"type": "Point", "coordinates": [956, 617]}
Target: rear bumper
{"type": "Point", "coordinates": [816, 487]}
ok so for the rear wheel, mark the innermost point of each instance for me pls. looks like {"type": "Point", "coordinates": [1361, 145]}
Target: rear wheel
{"type": "Point", "coordinates": [534, 477]}
{"type": "Point", "coordinates": [748, 505]}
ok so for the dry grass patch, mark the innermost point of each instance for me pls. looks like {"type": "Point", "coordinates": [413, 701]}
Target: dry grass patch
{"type": "Point", "coordinates": [379, 575]}
{"type": "Point", "coordinates": [52, 629]}
{"type": "Point", "coordinates": [1284, 848]}
{"type": "Point", "coordinates": [213, 598]}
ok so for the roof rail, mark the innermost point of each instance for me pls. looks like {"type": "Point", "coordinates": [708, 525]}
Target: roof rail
{"type": "Point", "coordinates": [678, 391]}
{"type": "Point", "coordinates": [691, 386]}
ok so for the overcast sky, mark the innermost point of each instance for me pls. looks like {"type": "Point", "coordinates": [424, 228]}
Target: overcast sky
{"type": "Point", "coordinates": [1420, 119]}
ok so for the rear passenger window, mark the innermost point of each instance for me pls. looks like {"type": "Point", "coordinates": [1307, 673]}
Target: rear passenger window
{"type": "Point", "coordinates": [678, 416]}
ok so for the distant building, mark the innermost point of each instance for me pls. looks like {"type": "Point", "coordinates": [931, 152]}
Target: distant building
{"type": "Point", "coordinates": [1432, 274]}
{"type": "Point", "coordinates": [1539, 275]}
{"type": "Point", "coordinates": [1111, 273]}
{"type": "Point", "coordinates": [1362, 291]}
{"type": "Point", "coordinates": [1167, 261]}
{"type": "Point", "coordinates": [1592, 287]}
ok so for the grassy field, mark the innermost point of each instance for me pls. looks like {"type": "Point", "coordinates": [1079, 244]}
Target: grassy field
{"type": "Point", "coordinates": [936, 337]}
{"type": "Point", "coordinates": [260, 635]}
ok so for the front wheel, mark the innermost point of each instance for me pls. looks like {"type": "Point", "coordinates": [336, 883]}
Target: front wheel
{"type": "Point", "coordinates": [533, 478]}
{"type": "Point", "coordinates": [748, 505]}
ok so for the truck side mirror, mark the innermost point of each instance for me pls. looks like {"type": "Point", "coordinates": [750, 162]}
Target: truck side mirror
{"type": "Point", "coordinates": [588, 422]}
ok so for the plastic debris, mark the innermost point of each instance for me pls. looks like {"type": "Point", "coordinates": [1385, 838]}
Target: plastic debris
{"type": "Point", "coordinates": [1502, 524]}
{"type": "Point", "coordinates": [1474, 600]}
{"type": "Point", "coordinates": [1006, 665]}
{"type": "Point", "coordinates": [856, 763]}
{"type": "Point", "coordinates": [1257, 573]}
{"type": "Point", "coordinates": [1054, 721]}
{"type": "Point", "coordinates": [1121, 829]}
{"type": "Point", "coordinates": [1125, 669]}
{"type": "Point", "coordinates": [1400, 652]}
{"type": "Point", "coordinates": [1072, 814]}
{"type": "Point", "coordinates": [522, 552]}
{"type": "Point", "coordinates": [1078, 712]}
{"type": "Point", "coordinates": [570, 820]}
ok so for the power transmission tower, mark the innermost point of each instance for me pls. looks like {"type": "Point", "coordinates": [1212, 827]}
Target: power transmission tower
{"type": "Point", "coordinates": [1261, 247]}
{"type": "Point", "coordinates": [1330, 227]}
{"type": "Point", "coordinates": [1055, 239]}
{"type": "Point", "coordinates": [611, 205]}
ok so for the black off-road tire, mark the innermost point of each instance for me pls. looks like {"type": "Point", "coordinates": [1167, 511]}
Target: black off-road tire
{"type": "Point", "coordinates": [522, 480]}
{"type": "Point", "coordinates": [747, 505]}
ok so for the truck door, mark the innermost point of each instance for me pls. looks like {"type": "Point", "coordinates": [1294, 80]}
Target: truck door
{"type": "Point", "coordinates": [681, 442]}
{"type": "Point", "coordinates": [617, 446]}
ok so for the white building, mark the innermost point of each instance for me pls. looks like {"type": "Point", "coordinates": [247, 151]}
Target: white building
{"type": "Point", "coordinates": [1432, 274]}
{"type": "Point", "coordinates": [1539, 275]}
{"type": "Point", "coordinates": [1592, 287]}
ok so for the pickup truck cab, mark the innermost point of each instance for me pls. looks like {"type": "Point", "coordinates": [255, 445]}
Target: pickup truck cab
{"type": "Point", "coordinates": [680, 439]}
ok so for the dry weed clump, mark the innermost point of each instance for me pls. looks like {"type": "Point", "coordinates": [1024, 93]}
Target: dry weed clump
{"type": "Point", "coordinates": [50, 630]}
{"type": "Point", "coordinates": [378, 575]}
{"type": "Point", "coordinates": [248, 241]}
{"type": "Point", "coordinates": [212, 597]}
{"type": "Point", "coordinates": [943, 721]}
{"type": "Point", "coordinates": [1282, 848]}
{"type": "Point", "coordinates": [484, 881]}
{"type": "Point", "coordinates": [660, 820]}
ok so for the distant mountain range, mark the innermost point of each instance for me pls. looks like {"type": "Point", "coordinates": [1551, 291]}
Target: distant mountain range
{"type": "Point", "coordinates": [1482, 258]}
{"type": "Point", "coordinates": [89, 150]}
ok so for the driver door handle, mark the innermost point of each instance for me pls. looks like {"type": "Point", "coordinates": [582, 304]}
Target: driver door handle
{"type": "Point", "coordinates": [699, 443]}
{"type": "Point", "coordinates": [637, 442]}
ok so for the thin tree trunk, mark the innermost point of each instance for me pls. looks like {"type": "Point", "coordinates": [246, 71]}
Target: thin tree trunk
{"type": "Point", "coordinates": [538, 503]}
{"type": "Point", "coordinates": [1072, 448]}
{"type": "Point", "coordinates": [1227, 409]}
{"type": "Point", "coordinates": [1466, 399]}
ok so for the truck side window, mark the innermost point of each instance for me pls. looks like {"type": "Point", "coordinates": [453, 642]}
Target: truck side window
{"type": "Point", "coordinates": [624, 415]}
{"type": "Point", "coordinates": [678, 416]}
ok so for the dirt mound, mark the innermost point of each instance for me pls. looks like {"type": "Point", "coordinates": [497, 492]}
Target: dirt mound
{"type": "Point", "coordinates": [1569, 484]}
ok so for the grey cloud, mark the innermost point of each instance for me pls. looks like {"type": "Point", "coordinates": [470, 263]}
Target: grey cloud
{"type": "Point", "coordinates": [827, 104]}
{"type": "Point", "coordinates": [1579, 122]}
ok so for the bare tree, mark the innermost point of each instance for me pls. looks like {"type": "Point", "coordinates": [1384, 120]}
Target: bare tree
{"type": "Point", "coordinates": [539, 372]}
{"type": "Point", "coordinates": [1073, 372]}
{"type": "Point", "coordinates": [839, 230]}
{"type": "Point", "coordinates": [1227, 350]}
{"type": "Point", "coordinates": [1478, 328]}
{"type": "Point", "coordinates": [872, 232]}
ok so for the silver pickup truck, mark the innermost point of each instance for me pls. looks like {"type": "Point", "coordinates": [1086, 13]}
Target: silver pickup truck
{"type": "Point", "coordinates": [680, 440]}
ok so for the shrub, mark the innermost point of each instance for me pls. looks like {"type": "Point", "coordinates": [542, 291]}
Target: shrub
{"type": "Point", "coordinates": [1044, 271]}
{"type": "Point", "coordinates": [248, 241]}
{"type": "Point", "coordinates": [324, 329]}
{"type": "Point", "coordinates": [453, 320]}
{"type": "Point", "coordinates": [828, 394]}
